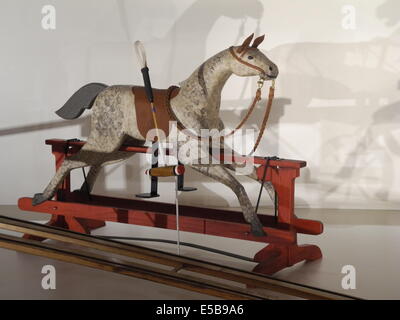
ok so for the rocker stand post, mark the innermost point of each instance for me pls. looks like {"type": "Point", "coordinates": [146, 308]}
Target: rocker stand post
{"type": "Point", "coordinates": [154, 180]}
{"type": "Point", "coordinates": [74, 211]}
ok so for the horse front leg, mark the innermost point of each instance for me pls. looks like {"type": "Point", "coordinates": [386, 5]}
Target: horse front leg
{"type": "Point", "coordinates": [268, 186]}
{"type": "Point", "coordinates": [221, 174]}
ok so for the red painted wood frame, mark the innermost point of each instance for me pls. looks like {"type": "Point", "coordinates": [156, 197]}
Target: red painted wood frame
{"type": "Point", "coordinates": [75, 211]}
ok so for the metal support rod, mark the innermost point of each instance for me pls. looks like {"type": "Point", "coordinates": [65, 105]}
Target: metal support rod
{"type": "Point", "coordinates": [178, 240]}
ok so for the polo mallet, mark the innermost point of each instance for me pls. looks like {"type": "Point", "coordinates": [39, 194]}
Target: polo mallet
{"type": "Point", "coordinates": [171, 171]}
{"type": "Point", "coordinates": [141, 55]}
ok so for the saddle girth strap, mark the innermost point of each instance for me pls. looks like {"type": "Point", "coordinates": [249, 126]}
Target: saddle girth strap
{"type": "Point", "coordinates": [144, 115]}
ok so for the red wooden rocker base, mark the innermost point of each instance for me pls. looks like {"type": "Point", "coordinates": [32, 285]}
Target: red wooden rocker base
{"type": "Point", "coordinates": [75, 211]}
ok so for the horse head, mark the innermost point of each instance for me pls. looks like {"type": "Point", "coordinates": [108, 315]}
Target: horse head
{"type": "Point", "coordinates": [248, 60]}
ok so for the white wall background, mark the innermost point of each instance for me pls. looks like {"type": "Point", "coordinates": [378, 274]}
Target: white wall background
{"type": "Point", "coordinates": [337, 102]}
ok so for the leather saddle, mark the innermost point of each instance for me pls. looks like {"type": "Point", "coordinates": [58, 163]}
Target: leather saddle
{"type": "Point", "coordinates": [164, 114]}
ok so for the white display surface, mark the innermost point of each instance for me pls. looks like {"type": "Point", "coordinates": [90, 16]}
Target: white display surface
{"type": "Point", "coordinates": [369, 246]}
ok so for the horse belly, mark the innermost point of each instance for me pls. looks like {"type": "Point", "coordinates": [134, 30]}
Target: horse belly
{"type": "Point", "coordinates": [114, 113]}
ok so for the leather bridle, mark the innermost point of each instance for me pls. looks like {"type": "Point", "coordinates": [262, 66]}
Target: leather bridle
{"type": "Point", "coordinates": [232, 51]}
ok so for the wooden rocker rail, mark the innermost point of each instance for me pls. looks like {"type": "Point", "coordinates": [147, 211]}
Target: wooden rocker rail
{"type": "Point", "coordinates": [171, 277]}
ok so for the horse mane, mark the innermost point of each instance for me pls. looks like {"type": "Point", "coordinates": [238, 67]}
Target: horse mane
{"type": "Point", "coordinates": [199, 71]}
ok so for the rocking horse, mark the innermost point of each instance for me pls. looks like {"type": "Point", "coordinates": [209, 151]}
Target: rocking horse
{"type": "Point", "coordinates": [121, 115]}
{"type": "Point", "coordinates": [196, 106]}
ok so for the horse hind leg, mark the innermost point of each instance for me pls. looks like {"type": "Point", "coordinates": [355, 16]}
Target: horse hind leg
{"type": "Point", "coordinates": [221, 174]}
{"type": "Point", "coordinates": [95, 170]}
{"type": "Point", "coordinates": [89, 155]}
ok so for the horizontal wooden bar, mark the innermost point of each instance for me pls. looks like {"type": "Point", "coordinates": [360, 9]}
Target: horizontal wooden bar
{"type": "Point", "coordinates": [307, 226]}
{"type": "Point", "coordinates": [160, 215]}
{"type": "Point", "coordinates": [284, 163]}
{"type": "Point", "coordinates": [300, 225]}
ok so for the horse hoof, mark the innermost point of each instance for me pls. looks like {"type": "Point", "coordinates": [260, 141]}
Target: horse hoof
{"type": "Point", "coordinates": [38, 199]}
{"type": "Point", "coordinates": [258, 231]}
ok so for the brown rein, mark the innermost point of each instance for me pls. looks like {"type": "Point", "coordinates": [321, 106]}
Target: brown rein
{"type": "Point", "coordinates": [244, 120]}
{"type": "Point", "coordinates": [266, 116]}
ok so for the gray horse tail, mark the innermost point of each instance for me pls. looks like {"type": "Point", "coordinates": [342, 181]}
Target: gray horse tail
{"type": "Point", "coordinates": [80, 101]}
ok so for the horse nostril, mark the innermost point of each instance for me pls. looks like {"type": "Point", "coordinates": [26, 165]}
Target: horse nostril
{"type": "Point", "coordinates": [270, 68]}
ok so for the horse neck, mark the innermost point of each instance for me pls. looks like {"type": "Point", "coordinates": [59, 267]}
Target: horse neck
{"type": "Point", "coordinates": [206, 83]}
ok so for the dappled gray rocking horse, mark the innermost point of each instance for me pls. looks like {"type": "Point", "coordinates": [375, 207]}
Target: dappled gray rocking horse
{"type": "Point", "coordinates": [195, 105]}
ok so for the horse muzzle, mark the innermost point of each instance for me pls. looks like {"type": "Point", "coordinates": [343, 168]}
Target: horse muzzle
{"type": "Point", "coordinates": [266, 76]}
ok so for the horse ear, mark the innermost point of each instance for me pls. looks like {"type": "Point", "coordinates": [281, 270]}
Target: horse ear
{"type": "Point", "coordinates": [246, 43]}
{"type": "Point", "coordinates": [258, 41]}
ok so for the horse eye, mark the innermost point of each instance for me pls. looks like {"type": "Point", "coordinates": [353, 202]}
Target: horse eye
{"type": "Point", "coordinates": [250, 57]}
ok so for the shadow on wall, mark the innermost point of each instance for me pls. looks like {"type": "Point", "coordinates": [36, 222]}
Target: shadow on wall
{"type": "Point", "coordinates": [328, 84]}
{"type": "Point", "coordinates": [84, 122]}
{"type": "Point", "coordinates": [184, 44]}
{"type": "Point", "coordinates": [323, 83]}
{"type": "Point", "coordinates": [371, 160]}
